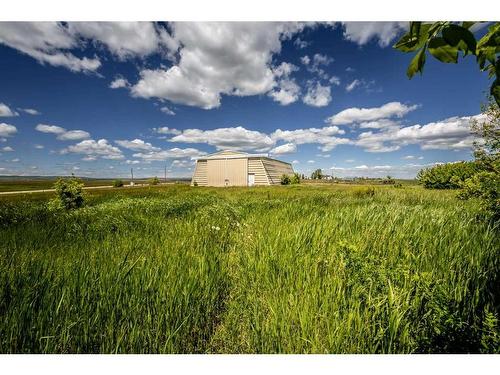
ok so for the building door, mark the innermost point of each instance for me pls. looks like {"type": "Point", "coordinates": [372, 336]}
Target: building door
{"type": "Point", "coordinates": [227, 172]}
{"type": "Point", "coordinates": [251, 179]}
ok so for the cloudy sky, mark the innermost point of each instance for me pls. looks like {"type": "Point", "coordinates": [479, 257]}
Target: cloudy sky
{"type": "Point", "coordinates": [99, 98]}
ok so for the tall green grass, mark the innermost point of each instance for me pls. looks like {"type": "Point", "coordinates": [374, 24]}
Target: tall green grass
{"type": "Point", "coordinates": [266, 270]}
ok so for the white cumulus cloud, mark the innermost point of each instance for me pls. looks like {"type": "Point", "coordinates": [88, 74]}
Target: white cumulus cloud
{"type": "Point", "coordinates": [91, 147]}
{"type": "Point", "coordinates": [118, 83]}
{"type": "Point", "coordinates": [172, 153]}
{"type": "Point", "coordinates": [5, 111]}
{"type": "Point", "coordinates": [236, 138]}
{"type": "Point", "coordinates": [383, 32]}
{"type": "Point", "coordinates": [6, 130]}
{"type": "Point", "coordinates": [207, 68]}
{"type": "Point", "coordinates": [287, 148]}
{"type": "Point", "coordinates": [73, 135]}
{"type": "Point", "coordinates": [287, 90]}
{"type": "Point", "coordinates": [453, 133]}
{"type": "Point", "coordinates": [30, 111]}
{"type": "Point", "coordinates": [353, 115]}
{"type": "Point", "coordinates": [53, 129]}
{"type": "Point", "coordinates": [167, 111]}
{"type": "Point", "coordinates": [137, 145]}
{"type": "Point", "coordinates": [317, 95]}
{"type": "Point", "coordinates": [123, 39]}
{"type": "Point", "coordinates": [48, 43]}
{"type": "Point", "coordinates": [166, 130]}
{"type": "Point", "coordinates": [62, 133]}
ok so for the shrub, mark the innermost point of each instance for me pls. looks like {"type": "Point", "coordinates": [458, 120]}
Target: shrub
{"type": "Point", "coordinates": [285, 179]}
{"type": "Point", "coordinates": [69, 193]}
{"type": "Point", "coordinates": [195, 183]}
{"type": "Point", "coordinates": [154, 181]}
{"type": "Point", "coordinates": [485, 186]}
{"type": "Point", "coordinates": [117, 183]}
{"type": "Point", "coordinates": [388, 181]}
{"type": "Point", "coordinates": [447, 176]}
{"type": "Point", "coordinates": [295, 179]}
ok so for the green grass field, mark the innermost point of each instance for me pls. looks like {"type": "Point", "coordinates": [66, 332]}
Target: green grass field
{"type": "Point", "coordinates": [292, 269]}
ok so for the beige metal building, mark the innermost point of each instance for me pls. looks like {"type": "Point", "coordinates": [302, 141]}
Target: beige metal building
{"type": "Point", "coordinates": [233, 168]}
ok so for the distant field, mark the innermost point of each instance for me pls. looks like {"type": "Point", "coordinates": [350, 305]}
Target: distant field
{"type": "Point", "coordinates": [20, 184]}
{"type": "Point", "coordinates": [42, 184]}
{"type": "Point", "coordinates": [282, 269]}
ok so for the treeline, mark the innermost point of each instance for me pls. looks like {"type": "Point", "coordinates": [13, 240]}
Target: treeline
{"type": "Point", "coordinates": [479, 178]}
{"type": "Point", "coordinates": [475, 179]}
{"type": "Point", "coordinates": [447, 176]}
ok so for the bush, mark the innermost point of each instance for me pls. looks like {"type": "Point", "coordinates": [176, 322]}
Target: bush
{"type": "Point", "coordinates": [154, 181]}
{"type": "Point", "coordinates": [388, 181]}
{"type": "Point", "coordinates": [195, 183]}
{"type": "Point", "coordinates": [485, 186]}
{"type": "Point", "coordinates": [447, 176]}
{"type": "Point", "coordinates": [295, 179]}
{"type": "Point", "coordinates": [117, 183]}
{"type": "Point", "coordinates": [69, 193]}
{"type": "Point", "coordinates": [285, 179]}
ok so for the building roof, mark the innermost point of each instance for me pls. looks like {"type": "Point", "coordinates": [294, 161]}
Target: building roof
{"type": "Point", "coordinates": [230, 154]}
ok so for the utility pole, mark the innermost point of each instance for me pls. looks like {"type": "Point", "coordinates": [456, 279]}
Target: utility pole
{"type": "Point", "coordinates": [132, 174]}
{"type": "Point", "coordinates": [165, 173]}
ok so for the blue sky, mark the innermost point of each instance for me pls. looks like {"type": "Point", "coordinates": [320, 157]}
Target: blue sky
{"type": "Point", "coordinates": [96, 99]}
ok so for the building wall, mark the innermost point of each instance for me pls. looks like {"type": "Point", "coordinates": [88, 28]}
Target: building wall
{"type": "Point", "coordinates": [256, 167]}
{"type": "Point", "coordinates": [215, 172]}
{"type": "Point", "coordinates": [200, 173]}
{"type": "Point", "coordinates": [275, 169]}
{"type": "Point", "coordinates": [227, 172]}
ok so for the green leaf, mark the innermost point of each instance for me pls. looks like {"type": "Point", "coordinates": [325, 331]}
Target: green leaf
{"type": "Point", "coordinates": [436, 28]}
{"type": "Point", "coordinates": [414, 39]}
{"type": "Point", "coordinates": [491, 71]}
{"type": "Point", "coordinates": [415, 27]}
{"type": "Point", "coordinates": [485, 54]}
{"type": "Point", "coordinates": [407, 43]}
{"type": "Point", "coordinates": [491, 38]}
{"type": "Point", "coordinates": [460, 37]}
{"type": "Point", "coordinates": [442, 51]}
{"type": "Point", "coordinates": [468, 24]}
{"type": "Point", "coordinates": [416, 64]}
{"type": "Point", "coordinates": [495, 91]}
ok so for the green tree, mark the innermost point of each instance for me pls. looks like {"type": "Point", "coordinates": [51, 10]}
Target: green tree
{"type": "Point", "coordinates": [485, 185]}
{"type": "Point", "coordinates": [69, 193]}
{"type": "Point", "coordinates": [295, 178]}
{"type": "Point", "coordinates": [317, 174]}
{"type": "Point", "coordinates": [285, 179]}
{"type": "Point", "coordinates": [446, 40]}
